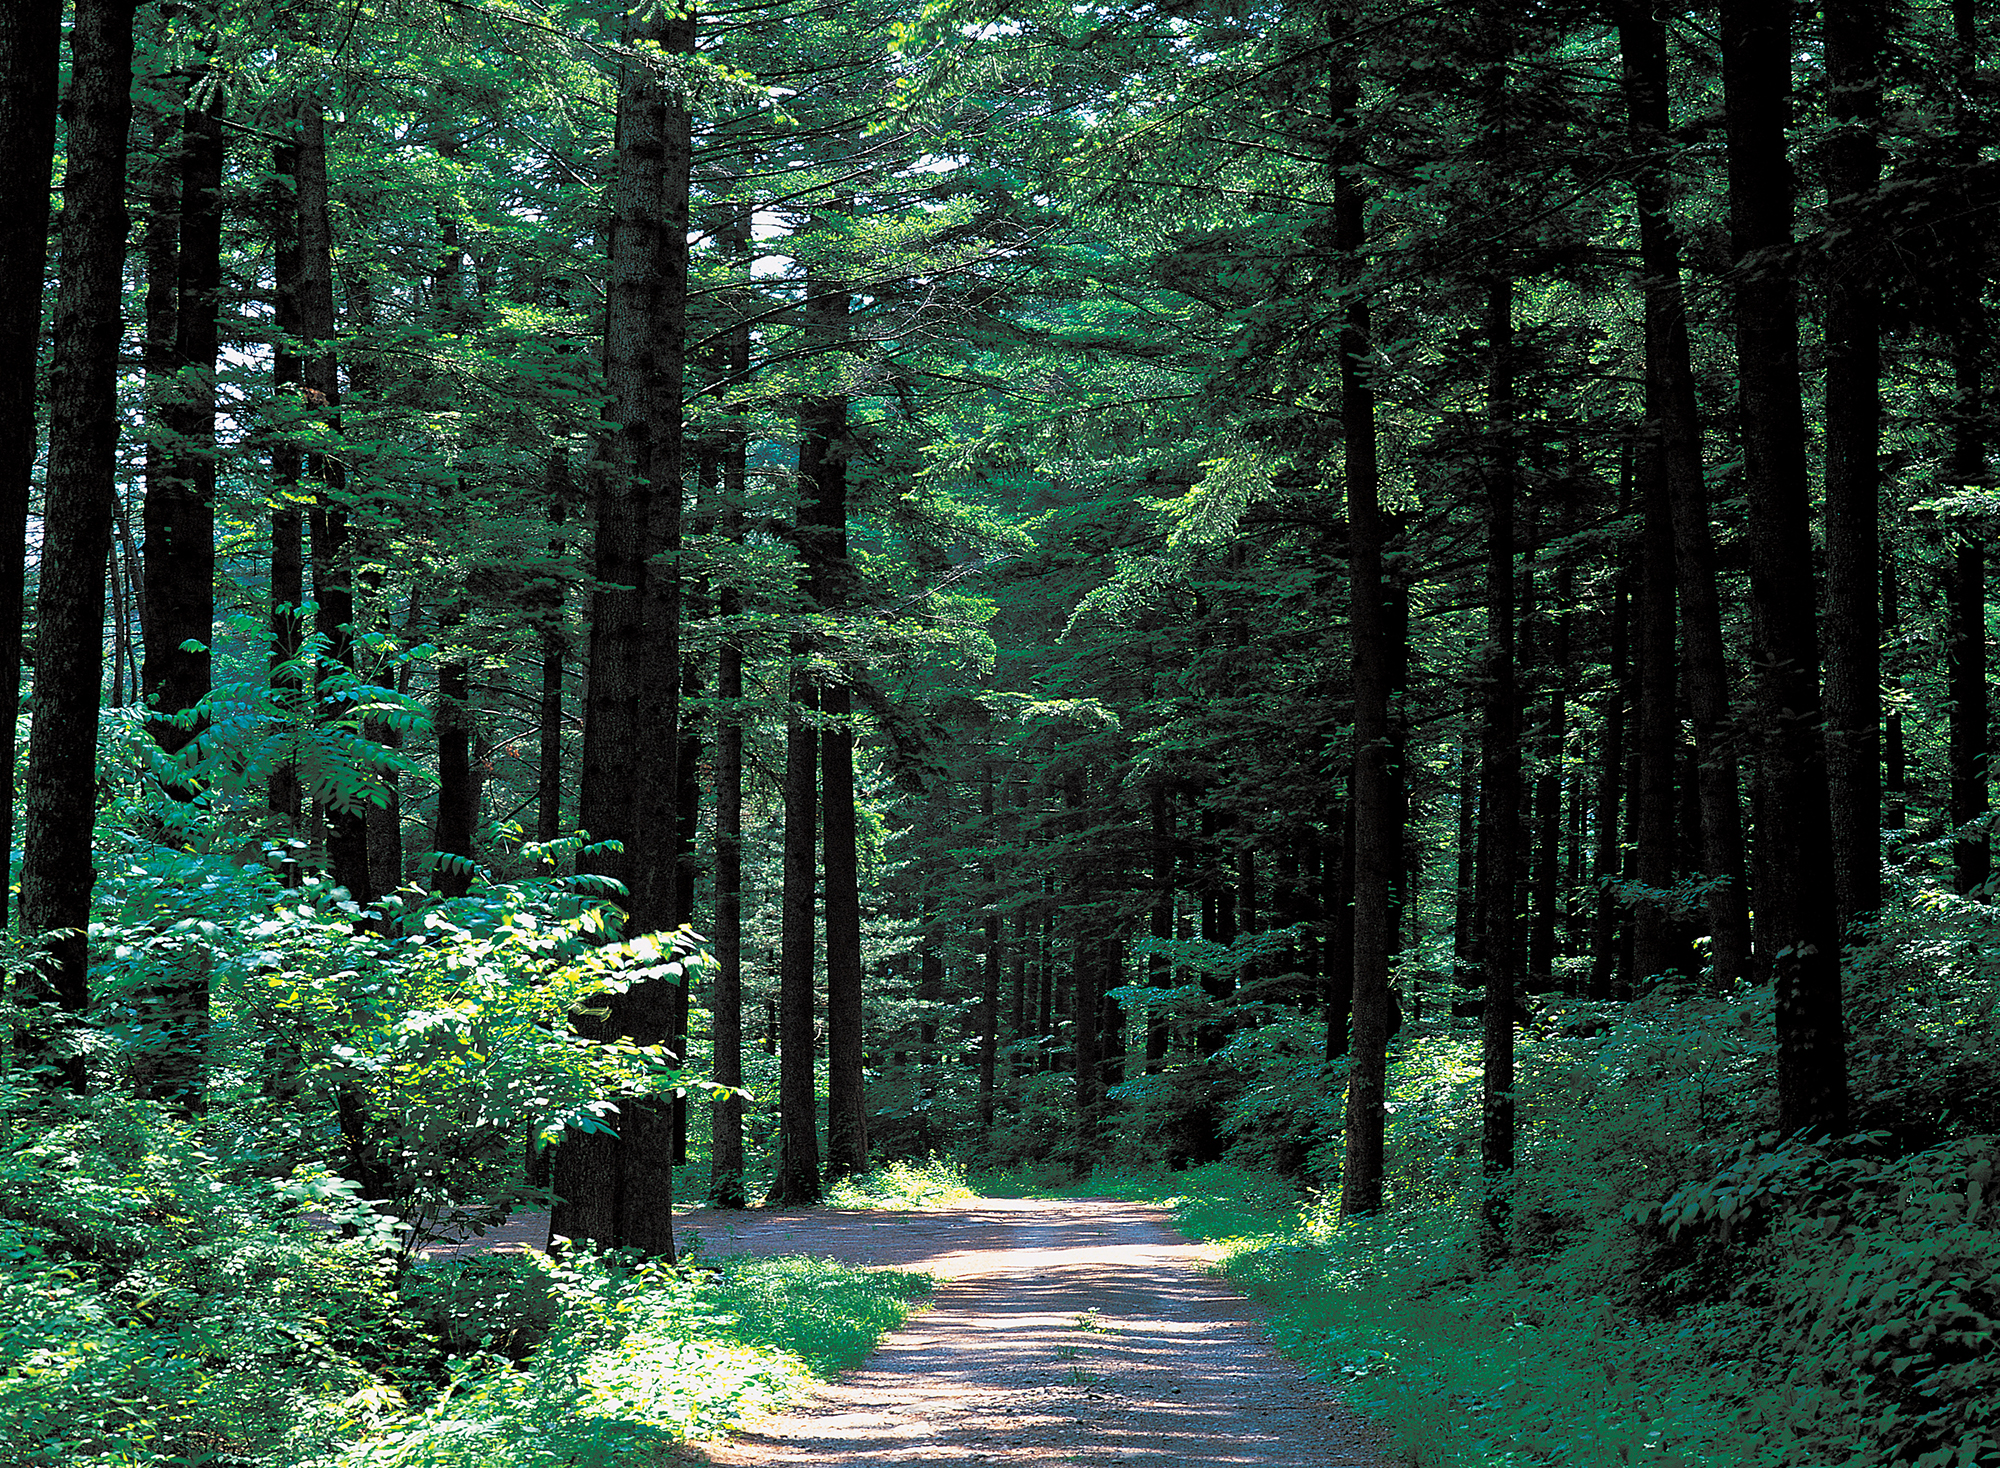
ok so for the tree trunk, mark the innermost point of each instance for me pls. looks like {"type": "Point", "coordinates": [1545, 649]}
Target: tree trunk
{"type": "Point", "coordinates": [179, 513]}
{"type": "Point", "coordinates": [990, 964]}
{"type": "Point", "coordinates": [1159, 969]}
{"type": "Point", "coordinates": [726, 991]}
{"type": "Point", "coordinates": [1852, 35]}
{"type": "Point", "coordinates": [285, 798]}
{"type": "Point", "coordinates": [457, 797]}
{"type": "Point", "coordinates": [1672, 406]}
{"type": "Point", "coordinates": [1658, 937]}
{"type": "Point", "coordinates": [556, 491]}
{"type": "Point", "coordinates": [1606, 860]}
{"type": "Point", "coordinates": [1794, 835]}
{"type": "Point", "coordinates": [30, 56]}
{"type": "Point", "coordinates": [797, 1181]}
{"type": "Point", "coordinates": [346, 820]}
{"type": "Point", "coordinates": [1969, 736]}
{"type": "Point", "coordinates": [56, 871]}
{"type": "Point", "coordinates": [1548, 884]}
{"type": "Point", "coordinates": [618, 1190]}
{"type": "Point", "coordinates": [1378, 838]}
{"type": "Point", "coordinates": [1500, 783]}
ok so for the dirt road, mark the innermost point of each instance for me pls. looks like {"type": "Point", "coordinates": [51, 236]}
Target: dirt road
{"type": "Point", "coordinates": [1063, 1333]}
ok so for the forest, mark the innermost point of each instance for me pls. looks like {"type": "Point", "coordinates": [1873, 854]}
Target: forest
{"type": "Point", "coordinates": [1370, 618]}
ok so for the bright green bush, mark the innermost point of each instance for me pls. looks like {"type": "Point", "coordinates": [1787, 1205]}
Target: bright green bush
{"type": "Point", "coordinates": [932, 1183]}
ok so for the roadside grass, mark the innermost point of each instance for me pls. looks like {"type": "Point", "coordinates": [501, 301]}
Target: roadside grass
{"type": "Point", "coordinates": [933, 1183]}
{"type": "Point", "coordinates": [624, 1362]}
{"type": "Point", "coordinates": [1466, 1371]}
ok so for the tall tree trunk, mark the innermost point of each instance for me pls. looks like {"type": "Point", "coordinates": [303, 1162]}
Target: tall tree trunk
{"type": "Point", "coordinates": [1895, 759]}
{"type": "Point", "coordinates": [61, 804]}
{"type": "Point", "coordinates": [1676, 416]}
{"type": "Point", "coordinates": [726, 991]}
{"type": "Point", "coordinates": [797, 1181]}
{"type": "Point", "coordinates": [1606, 858]}
{"type": "Point", "coordinates": [556, 492]}
{"type": "Point", "coordinates": [1794, 833]}
{"type": "Point", "coordinates": [1337, 897]}
{"type": "Point", "coordinates": [457, 797]}
{"type": "Point", "coordinates": [1548, 883]}
{"type": "Point", "coordinates": [1969, 747]}
{"type": "Point", "coordinates": [1465, 903]}
{"type": "Point", "coordinates": [990, 964]}
{"type": "Point", "coordinates": [1969, 737]}
{"type": "Point", "coordinates": [1500, 782]}
{"type": "Point", "coordinates": [1378, 838]}
{"type": "Point", "coordinates": [619, 1190]}
{"type": "Point", "coordinates": [346, 821]}
{"type": "Point", "coordinates": [1658, 937]}
{"type": "Point", "coordinates": [687, 878]}
{"type": "Point", "coordinates": [179, 513]}
{"type": "Point", "coordinates": [285, 797]}
{"type": "Point", "coordinates": [1853, 38]}
{"type": "Point", "coordinates": [30, 57]}
{"type": "Point", "coordinates": [1159, 969]}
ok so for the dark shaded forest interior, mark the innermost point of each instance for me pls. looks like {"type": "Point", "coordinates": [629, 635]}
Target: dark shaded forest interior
{"type": "Point", "coordinates": [1375, 615]}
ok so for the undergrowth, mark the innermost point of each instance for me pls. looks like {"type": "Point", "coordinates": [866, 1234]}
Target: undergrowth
{"type": "Point", "coordinates": [165, 1301]}
{"type": "Point", "coordinates": [932, 1183]}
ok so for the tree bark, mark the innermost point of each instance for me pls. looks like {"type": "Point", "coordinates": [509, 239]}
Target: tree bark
{"type": "Point", "coordinates": [1676, 417]}
{"type": "Point", "coordinates": [285, 797]}
{"type": "Point", "coordinates": [556, 492]}
{"type": "Point", "coordinates": [726, 993]}
{"type": "Point", "coordinates": [1377, 840]}
{"type": "Point", "coordinates": [30, 58]}
{"type": "Point", "coordinates": [990, 965]}
{"type": "Point", "coordinates": [1160, 927]}
{"type": "Point", "coordinates": [1794, 834]}
{"type": "Point", "coordinates": [1969, 735]}
{"type": "Point", "coordinates": [457, 797]}
{"type": "Point", "coordinates": [618, 1190]}
{"type": "Point", "coordinates": [797, 1182]}
{"type": "Point", "coordinates": [1500, 784]}
{"type": "Point", "coordinates": [56, 871]}
{"type": "Point", "coordinates": [179, 513]}
{"type": "Point", "coordinates": [1658, 938]}
{"type": "Point", "coordinates": [1852, 35]}
{"type": "Point", "coordinates": [333, 593]}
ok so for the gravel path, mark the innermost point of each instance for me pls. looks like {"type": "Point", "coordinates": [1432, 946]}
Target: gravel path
{"type": "Point", "coordinates": [1077, 1333]}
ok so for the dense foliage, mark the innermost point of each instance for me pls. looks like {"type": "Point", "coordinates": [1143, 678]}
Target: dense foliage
{"type": "Point", "coordinates": [615, 600]}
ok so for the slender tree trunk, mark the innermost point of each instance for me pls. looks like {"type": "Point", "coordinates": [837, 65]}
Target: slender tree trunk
{"type": "Point", "coordinates": [285, 796]}
{"type": "Point", "coordinates": [1795, 901]}
{"type": "Point", "coordinates": [179, 513]}
{"type": "Point", "coordinates": [1377, 838]}
{"type": "Point", "coordinates": [56, 871]}
{"type": "Point", "coordinates": [1606, 861]}
{"type": "Point", "coordinates": [1852, 35]}
{"type": "Point", "coordinates": [556, 491]}
{"type": "Point", "coordinates": [1969, 737]}
{"type": "Point", "coordinates": [726, 994]}
{"type": "Point", "coordinates": [1969, 749]}
{"type": "Point", "coordinates": [1337, 896]}
{"type": "Point", "coordinates": [159, 185]}
{"type": "Point", "coordinates": [1159, 970]}
{"type": "Point", "coordinates": [457, 798]}
{"type": "Point", "coordinates": [1548, 786]}
{"type": "Point", "coordinates": [1500, 783]}
{"type": "Point", "coordinates": [1673, 409]}
{"type": "Point", "coordinates": [687, 881]}
{"type": "Point", "coordinates": [179, 590]}
{"type": "Point", "coordinates": [797, 1180]}
{"type": "Point", "coordinates": [1658, 937]}
{"type": "Point", "coordinates": [1895, 760]}
{"type": "Point", "coordinates": [346, 823]}
{"type": "Point", "coordinates": [619, 1190]}
{"type": "Point", "coordinates": [990, 965]}
{"type": "Point", "coordinates": [30, 56]}
{"type": "Point", "coordinates": [1465, 905]}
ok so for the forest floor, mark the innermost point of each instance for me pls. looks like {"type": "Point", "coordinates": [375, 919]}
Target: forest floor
{"type": "Point", "coordinates": [1063, 1332]}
